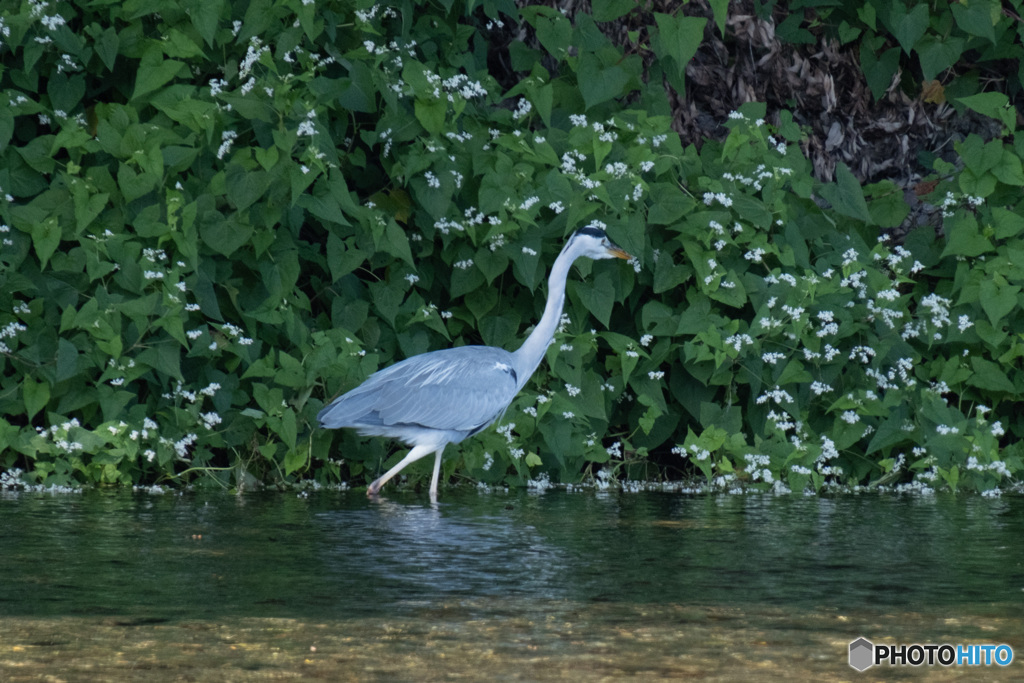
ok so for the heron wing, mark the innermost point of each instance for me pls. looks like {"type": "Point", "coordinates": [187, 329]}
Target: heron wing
{"type": "Point", "coordinates": [462, 389]}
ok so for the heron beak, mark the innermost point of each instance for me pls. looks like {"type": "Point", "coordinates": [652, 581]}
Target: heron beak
{"type": "Point", "coordinates": [618, 252]}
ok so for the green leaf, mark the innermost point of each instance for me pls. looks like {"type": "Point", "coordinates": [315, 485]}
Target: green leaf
{"type": "Point", "coordinates": [6, 127]}
{"type": "Point", "coordinates": [846, 195]}
{"type": "Point", "coordinates": [65, 93]}
{"type": "Point", "coordinates": [610, 10]}
{"type": "Point", "coordinates": [908, 27]}
{"type": "Point", "coordinates": [288, 428]}
{"type": "Point", "coordinates": [1009, 169]}
{"type": "Point", "coordinates": [598, 83]}
{"type": "Point", "coordinates": [37, 153]}
{"type": "Point", "coordinates": [938, 55]}
{"type": "Point", "coordinates": [669, 275]}
{"type": "Point", "coordinates": [267, 158]}
{"type": "Point", "coordinates": [87, 206]}
{"type": "Point", "coordinates": [878, 71]}
{"type": "Point", "coordinates": [1007, 223]}
{"type": "Point", "coordinates": [753, 210]}
{"type": "Point", "coordinates": [491, 263]}
{"type": "Point", "coordinates": [978, 185]}
{"type": "Point", "coordinates": [106, 45]}
{"type": "Point", "coordinates": [430, 112]}
{"type": "Point", "coordinates": [205, 15]}
{"type": "Point", "coordinates": [998, 298]}
{"type": "Point", "coordinates": [678, 38]}
{"type": "Point", "coordinates": [178, 44]}
{"type": "Point", "coordinates": [295, 459]}
{"type": "Point", "coordinates": [35, 395]}
{"type": "Point", "coordinates": [499, 330]}
{"type": "Point", "coordinates": [465, 281]}
{"type": "Point", "coordinates": [324, 206]}
{"type": "Point", "coordinates": [244, 187]}
{"type": "Point", "coordinates": [542, 97]}
{"type": "Point", "coordinates": [975, 18]}
{"type": "Point", "coordinates": [889, 433]}
{"type": "Point", "coordinates": [668, 204]}
{"type": "Point", "coordinates": [978, 155]}
{"type": "Point", "coordinates": [224, 234]}
{"type": "Point", "coordinates": [989, 376]}
{"type": "Point", "coordinates": [887, 206]}
{"type": "Point", "coordinates": [599, 297]}
{"type": "Point", "coordinates": [993, 104]}
{"type": "Point", "coordinates": [133, 185]}
{"type": "Point", "coordinates": [155, 72]}
{"type": "Point", "coordinates": [553, 30]}
{"type": "Point", "coordinates": [67, 360]}
{"type": "Point", "coordinates": [848, 33]}
{"type": "Point", "coordinates": [341, 258]}
{"type": "Point", "coordinates": [964, 238]}
{"type": "Point", "coordinates": [720, 11]}
{"type": "Point", "coordinates": [45, 238]}
{"type": "Point", "coordinates": [358, 90]}
{"type": "Point", "coordinates": [164, 357]}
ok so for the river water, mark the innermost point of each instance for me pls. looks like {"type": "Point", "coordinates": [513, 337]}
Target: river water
{"type": "Point", "coordinates": [501, 586]}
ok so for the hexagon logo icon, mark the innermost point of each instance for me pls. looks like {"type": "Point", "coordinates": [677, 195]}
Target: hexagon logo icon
{"type": "Point", "coordinates": [862, 654]}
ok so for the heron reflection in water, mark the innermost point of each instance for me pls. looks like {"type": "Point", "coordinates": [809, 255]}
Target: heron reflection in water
{"type": "Point", "coordinates": [442, 397]}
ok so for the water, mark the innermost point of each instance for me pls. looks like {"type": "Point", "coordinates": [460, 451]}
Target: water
{"type": "Point", "coordinates": [518, 586]}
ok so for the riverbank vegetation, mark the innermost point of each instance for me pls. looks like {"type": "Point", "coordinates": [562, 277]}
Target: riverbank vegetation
{"type": "Point", "coordinates": [218, 215]}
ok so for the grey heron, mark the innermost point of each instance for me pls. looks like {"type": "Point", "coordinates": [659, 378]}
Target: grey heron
{"type": "Point", "coordinates": [442, 397]}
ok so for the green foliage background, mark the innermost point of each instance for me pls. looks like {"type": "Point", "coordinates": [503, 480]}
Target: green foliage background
{"type": "Point", "coordinates": [218, 215]}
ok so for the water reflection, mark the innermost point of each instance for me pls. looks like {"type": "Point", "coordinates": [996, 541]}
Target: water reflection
{"type": "Point", "coordinates": [560, 586]}
{"type": "Point", "coordinates": [339, 554]}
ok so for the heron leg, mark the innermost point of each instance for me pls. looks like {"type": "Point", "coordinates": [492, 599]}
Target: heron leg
{"type": "Point", "coordinates": [437, 472]}
{"type": "Point", "coordinates": [415, 454]}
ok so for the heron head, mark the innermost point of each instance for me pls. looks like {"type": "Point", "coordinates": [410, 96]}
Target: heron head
{"type": "Point", "coordinates": [594, 243]}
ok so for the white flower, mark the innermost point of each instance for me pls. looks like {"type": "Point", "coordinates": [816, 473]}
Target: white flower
{"type": "Point", "coordinates": [210, 420]}
{"type": "Point", "coordinates": [523, 107]}
{"type": "Point", "coordinates": [755, 255]}
{"type": "Point", "coordinates": [227, 139]}
{"type": "Point", "coordinates": [506, 431]}
{"type": "Point", "coordinates": [820, 388]}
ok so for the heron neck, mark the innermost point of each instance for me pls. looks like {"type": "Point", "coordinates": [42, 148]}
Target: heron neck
{"type": "Point", "coordinates": [529, 355]}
